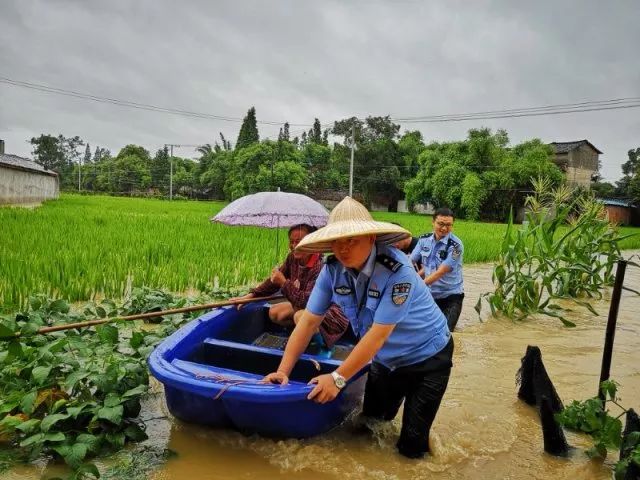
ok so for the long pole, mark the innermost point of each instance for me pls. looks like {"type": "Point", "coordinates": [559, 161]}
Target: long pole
{"type": "Point", "coordinates": [139, 316]}
{"type": "Point", "coordinates": [171, 175]}
{"type": "Point", "coordinates": [79, 172]}
{"type": "Point", "coordinates": [353, 144]}
{"type": "Point", "coordinates": [611, 325]}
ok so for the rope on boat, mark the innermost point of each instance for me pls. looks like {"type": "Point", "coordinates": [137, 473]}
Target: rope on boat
{"type": "Point", "coordinates": [229, 382]}
{"type": "Point", "coordinates": [233, 382]}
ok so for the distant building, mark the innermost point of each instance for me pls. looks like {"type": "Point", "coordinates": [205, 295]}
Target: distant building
{"type": "Point", "coordinates": [578, 160]}
{"type": "Point", "coordinates": [24, 182]}
{"type": "Point", "coordinates": [421, 208]}
{"type": "Point", "coordinates": [618, 211]}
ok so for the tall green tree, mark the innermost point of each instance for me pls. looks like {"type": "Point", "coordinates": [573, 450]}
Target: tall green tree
{"type": "Point", "coordinates": [315, 134]}
{"type": "Point", "coordinates": [248, 134]}
{"type": "Point", "coordinates": [629, 185]}
{"type": "Point", "coordinates": [87, 155]}
{"type": "Point", "coordinates": [160, 169]}
{"type": "Point", "coordinates": [48, 152]}
{"type": "Point", "coordinates": [59, 154]}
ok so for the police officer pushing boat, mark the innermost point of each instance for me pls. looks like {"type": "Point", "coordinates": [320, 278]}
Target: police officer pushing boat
{"type": "Point", "coordinates": [391, 310]}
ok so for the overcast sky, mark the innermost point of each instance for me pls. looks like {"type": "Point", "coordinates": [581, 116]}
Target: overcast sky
{"type": "Point", "coordinates": [296, 60]}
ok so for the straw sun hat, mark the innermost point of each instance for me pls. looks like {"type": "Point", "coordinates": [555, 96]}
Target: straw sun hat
{"type": "Point", "coordinates": [350, 219]}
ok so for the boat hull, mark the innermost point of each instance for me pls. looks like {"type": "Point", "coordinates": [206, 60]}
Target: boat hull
{"type": "Point", "coordinates": [211, 370]}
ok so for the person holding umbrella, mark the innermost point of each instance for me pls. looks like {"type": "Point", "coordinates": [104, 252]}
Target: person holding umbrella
{"type": "Point", "coordinates": [400, 328]}
{"type": "Point", "coordinates": [295, 278]}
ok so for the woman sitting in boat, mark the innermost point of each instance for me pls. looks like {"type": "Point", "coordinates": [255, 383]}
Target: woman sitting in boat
{"type": "Point", "coordinates": [394, 315]}
{"type": "Point", "coordinates": [295, 278]}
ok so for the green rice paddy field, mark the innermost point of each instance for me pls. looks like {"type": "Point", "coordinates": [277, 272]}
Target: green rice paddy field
{"type": "Point", "coordinates": [80, 247]}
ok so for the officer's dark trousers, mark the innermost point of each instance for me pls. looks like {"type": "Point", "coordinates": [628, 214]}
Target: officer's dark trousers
{"type": "Point", "coordinates": [451, 306]}
{"type": "Point", "coordinates": [421, 386]}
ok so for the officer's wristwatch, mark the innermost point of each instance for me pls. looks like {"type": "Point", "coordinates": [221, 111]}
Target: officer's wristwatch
{"type": "Point", "coordinates": [339, 380]}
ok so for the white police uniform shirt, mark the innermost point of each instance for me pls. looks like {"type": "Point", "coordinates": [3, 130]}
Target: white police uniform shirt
{"type": "Point", "coordinates": [433, 253]}
{"type": "Point", "coordinates": [388, 292]}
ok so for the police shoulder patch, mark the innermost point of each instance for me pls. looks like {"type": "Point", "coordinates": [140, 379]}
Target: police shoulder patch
{"type": "Point", "coordinates": [400, 292]}
{"type": "Point", "coordinates": [388, 262]}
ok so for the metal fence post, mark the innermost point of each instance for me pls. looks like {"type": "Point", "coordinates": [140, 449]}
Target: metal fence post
{"type": "Point", "coordinates": [611, 325]}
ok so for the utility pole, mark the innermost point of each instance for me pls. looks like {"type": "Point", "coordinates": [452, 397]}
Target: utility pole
{"type": "Point", "coordinates": [171, 145]}
{"type": "Point", "coordinates": [171, 175]}
{"type": "Point", "coordinates": [353, 144]}
{"type": "Point", "coordinates": [79, 174]}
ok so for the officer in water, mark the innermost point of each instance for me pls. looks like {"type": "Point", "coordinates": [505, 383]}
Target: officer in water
{"type": "Point", "coordinates": [440, 253]}
{"type": "Point", "coordinates": [389, 307]}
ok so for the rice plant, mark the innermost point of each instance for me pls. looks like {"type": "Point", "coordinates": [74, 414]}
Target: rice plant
{"type": "Point", "coordinates": [87, 247]}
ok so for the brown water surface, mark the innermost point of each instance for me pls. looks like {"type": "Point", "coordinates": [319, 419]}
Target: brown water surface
{"type": "Point", "coordinates": [482, 430]}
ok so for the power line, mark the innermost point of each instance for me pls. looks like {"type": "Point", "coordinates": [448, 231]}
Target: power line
{"type": "Point", "coordinates": [130, 104]}
{"type": "Point", "coordinates": [557, 109]}
{"type": "Point", "coordinates": [595, 106]}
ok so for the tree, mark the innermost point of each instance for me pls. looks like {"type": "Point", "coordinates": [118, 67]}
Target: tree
{"type": "Point", "coordinates": [48, 152]}
{"type": "Point", "coordinates": [160, 169]}
{"type": "Point", "coordinates": [204, 149]}
{"type": "Point", "coordinates": [377, 161]}
{"type": "Point", "coordinates": [100, 154]}
{"type": "Point", "coordinates": [215, 169]}
{"type": "Point", "coordinates": [482, 175]}
{"type": "Point", "coordinates": [130, 174]}
{"type": "Point", "coordinates": [58, 154]}
{"type": "Point", "coordinates": [629, 185]}
{"type": "Point", "coordinates": [137, 151]}
{"type": "Point", "coordinates": [226, 144]}
{"type": "Point", "coordinates": [87, 155]}
{"type": "Point", "coordinates": [315, 134]}
{"type": "Point", "coordinates": [289, 176]}
{"type": "Point", "coordinates": [473, 194]}
{"type": "Point", "coordinates": [248, 131]}
{"type": "Point", "coordinates": [603, 190]}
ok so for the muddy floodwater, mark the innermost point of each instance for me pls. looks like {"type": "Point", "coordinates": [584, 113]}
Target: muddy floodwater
{"type": "Point", "coordinates": [482, 430]}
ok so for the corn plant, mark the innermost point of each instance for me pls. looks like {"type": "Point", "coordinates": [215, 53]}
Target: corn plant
{"type": "Point", "coordinates": [566, 250]}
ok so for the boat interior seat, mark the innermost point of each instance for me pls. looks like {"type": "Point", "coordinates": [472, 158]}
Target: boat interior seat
{"type": "Point", "coordinates": [253, 359]}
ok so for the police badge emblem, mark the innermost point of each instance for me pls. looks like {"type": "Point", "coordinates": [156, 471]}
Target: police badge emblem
{"type": "Point", "coordinates": [400, 293]}
{"type": "Point", "coordinates": [343, 290]}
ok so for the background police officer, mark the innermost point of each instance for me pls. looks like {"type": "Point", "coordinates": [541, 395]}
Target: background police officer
{"type": "Point", "coordinates": [441, 255]}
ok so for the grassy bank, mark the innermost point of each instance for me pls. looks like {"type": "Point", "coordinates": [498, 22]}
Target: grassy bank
{"type": "Point", "coordinates": [78, 246]}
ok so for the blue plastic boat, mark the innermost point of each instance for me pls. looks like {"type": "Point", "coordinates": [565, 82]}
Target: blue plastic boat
{"type": "Point", "coordinates": [211, 370]}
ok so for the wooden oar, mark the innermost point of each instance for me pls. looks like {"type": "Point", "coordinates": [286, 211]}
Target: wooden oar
{"type": "Point", "coordinates": [140, 316]}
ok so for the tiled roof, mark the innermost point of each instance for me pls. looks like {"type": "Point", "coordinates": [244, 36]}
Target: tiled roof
{"type": "Point", "coordinates": [565, 147]}
{"type": "Point", "coordinates": [615, 202]}
{"type": "Point", "coordinates": [21, 163]}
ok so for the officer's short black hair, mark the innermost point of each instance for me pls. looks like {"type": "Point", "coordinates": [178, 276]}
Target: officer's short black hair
{"type": "Point", "coordinates": [443, 212]}
{"type": "Point", "coordinates": [302, 226]}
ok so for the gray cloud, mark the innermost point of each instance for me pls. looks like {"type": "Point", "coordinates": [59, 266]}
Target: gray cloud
{"type": "Point", "coordinates": [298, 60]}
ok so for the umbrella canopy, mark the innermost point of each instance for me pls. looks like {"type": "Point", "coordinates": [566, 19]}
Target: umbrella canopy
{"type": "Point", "coordinates": [273, 210]}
